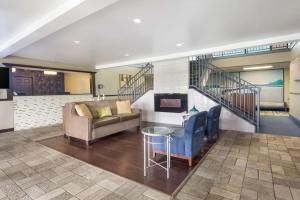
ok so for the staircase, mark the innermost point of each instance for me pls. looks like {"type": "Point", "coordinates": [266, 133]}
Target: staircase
{"type": "Point", "coordinates": [138, 85]}
{"type": "Point", "coordinates": [225, 88]}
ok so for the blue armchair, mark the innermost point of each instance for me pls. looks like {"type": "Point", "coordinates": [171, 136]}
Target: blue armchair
{"type": "Point", "coordinates": [186, 142]}
{"type": "Point", "coordinates": [212, 125]}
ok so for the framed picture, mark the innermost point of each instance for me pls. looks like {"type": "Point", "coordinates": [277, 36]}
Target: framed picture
{"type": "Point", "coordinates": [124, 79]}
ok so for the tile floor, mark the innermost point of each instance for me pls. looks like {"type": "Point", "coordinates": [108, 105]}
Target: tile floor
{"type": "Point", "coordinates": [239, 166]}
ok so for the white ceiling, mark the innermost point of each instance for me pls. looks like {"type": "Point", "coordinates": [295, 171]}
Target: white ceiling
{"type": "Point", "coordinates": [108, 34]}
{"type": "Point", "coordinates": [17, 15]}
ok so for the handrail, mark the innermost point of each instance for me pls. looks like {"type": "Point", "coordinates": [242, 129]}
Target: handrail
{"type": "Point", "coordinates": [138, 75]}
{"type": "Point", "coordinates": [138, 85]}
{"type": "Point", "coordinates": [229, 90]}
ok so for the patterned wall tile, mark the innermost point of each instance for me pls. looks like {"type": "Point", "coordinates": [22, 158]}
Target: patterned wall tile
{"type": "Point", "coordinates": [37, 111]}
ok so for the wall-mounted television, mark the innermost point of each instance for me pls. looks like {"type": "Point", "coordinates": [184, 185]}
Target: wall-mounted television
{"type": "Point", "coordinates": [4, 78]}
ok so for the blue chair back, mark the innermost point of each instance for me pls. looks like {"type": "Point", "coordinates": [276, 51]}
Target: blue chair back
{"type": "Point", "coordinates": [194, 133]}
{"type": "Point", "coordinates": [213, 117]}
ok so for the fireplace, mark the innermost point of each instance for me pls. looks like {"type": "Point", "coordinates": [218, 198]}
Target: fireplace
{"type": "Point", "coordinates": [175, 102]}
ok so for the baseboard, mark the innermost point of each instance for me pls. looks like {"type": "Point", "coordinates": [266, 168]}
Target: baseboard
{"type": "Point", "coordinates": [6, 130]}
{"type": "Point", "coordinates": [297, 121]}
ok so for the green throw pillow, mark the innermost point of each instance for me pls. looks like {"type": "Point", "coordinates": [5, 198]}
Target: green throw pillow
{"type": "Point", "coordinates": [103, 112]}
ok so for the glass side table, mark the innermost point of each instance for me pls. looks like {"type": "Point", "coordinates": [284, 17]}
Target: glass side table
{"type": "Point", "coordinates": [150, 132]}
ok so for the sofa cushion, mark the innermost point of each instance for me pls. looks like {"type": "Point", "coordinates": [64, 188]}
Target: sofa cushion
{"type": "Point", "coordinates": [83, 111]}
{"type": "Point", "coordinates": [125, 117]}
{"type": "Point", "coordinates": [123, 107]}
{"type": "Point", "coordinates": [104, 111]}
{"type": "Point", "coordinates": [105, 121]}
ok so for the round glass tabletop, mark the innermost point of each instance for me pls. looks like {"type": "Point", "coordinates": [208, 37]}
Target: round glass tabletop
{"type": "Point", "coordinates": [157, 131]}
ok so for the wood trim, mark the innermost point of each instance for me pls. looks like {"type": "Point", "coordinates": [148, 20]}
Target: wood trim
{"type": "Point", "coordinates": [7, 130]}
{"type": "Point", "coordinates": [93, 84]}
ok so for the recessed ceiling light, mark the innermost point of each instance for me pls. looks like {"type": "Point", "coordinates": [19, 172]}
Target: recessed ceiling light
{"type": "Point", "coordinates": [76, 41]}
{"type": "Point", "coordinates": [179, 44]}
{"type": "Point", "coordinates": [137, 21]}
{"type": "Point", "coordinates": [258, 67]}
{"type": "Point", "coordinates": [127, 55]}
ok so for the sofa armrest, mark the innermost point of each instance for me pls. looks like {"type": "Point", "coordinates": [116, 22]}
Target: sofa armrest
{"type": "Point", "coordinates": [76, 126]}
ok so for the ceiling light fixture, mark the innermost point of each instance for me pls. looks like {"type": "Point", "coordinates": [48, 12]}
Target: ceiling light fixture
{"type": "Point", "coordinates": [258, 67]}
{"type": "Point", "coordinates": [179, 44]}
{"type": "Point", "coordinates": [52, 73]}
{"type": "Point", "coordinates": [127, 55]}
{"type": "Point", "coordinates": [137, 21]}
{"type": "Point", "coordinates": [76, 41]}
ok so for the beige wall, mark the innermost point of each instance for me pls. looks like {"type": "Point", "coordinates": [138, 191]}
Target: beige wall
{"type": "Point", "coordinates": [286, 76]}
{"type": "Point", "coordinates": [295, 89]}
{"type": "Point", "coordinates": [77, 83]}
{"type": "Point", "coordinates": [295, 85]}
{"type": "Point", "coordinates": [109, 77]}
{"type": "Point", "coordinates": [254, 60]}
{"type": "Point", "coordinates": [43, 63]}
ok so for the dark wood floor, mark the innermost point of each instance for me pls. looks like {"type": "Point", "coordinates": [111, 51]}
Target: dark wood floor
{"type": "Point", "coordinates": [122, 154]}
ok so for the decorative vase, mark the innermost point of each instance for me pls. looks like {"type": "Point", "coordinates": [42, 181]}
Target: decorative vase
{"type": "Point", "coordinates": [193, 110]}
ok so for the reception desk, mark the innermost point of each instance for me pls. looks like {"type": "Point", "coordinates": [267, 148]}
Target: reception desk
{"type": "Point", "coordinates": [6, 115]}
{"type": "Point", "coordinates": [37, 111]}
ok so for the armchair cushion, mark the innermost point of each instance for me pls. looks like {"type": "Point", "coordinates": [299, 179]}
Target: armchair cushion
{"type": "Point", "coordinates": [187, 141]}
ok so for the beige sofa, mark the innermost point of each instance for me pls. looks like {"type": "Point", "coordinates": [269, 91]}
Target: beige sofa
{"type": "Point", "coordinates": [90, 129]}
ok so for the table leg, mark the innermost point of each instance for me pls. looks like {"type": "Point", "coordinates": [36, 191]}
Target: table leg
{"type": "Point", "coordinates": [145, 155]}
{"type": "Point", "coordinates": [168, 157]}
{"type": "Point", "coordinates": [148, 151]}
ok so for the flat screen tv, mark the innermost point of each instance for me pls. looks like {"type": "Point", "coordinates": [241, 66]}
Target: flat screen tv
{"type": "Point", "coordinates": [4, 78]}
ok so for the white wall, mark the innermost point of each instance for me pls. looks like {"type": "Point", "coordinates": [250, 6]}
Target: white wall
{"type": "Point", "coordinates": [172, 77]}
{"type": "Point", "coordinates": [228, 120]}
{"type": "Point", "coordinates": [146, 103]}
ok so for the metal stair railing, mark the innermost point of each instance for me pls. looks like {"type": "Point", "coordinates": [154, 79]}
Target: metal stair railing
{"type": "Point", "coordinates": [228, 89]}
{"type": "Point", "coordinates": [138, 85]}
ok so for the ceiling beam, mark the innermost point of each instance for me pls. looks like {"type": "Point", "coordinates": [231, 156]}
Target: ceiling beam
{"type": "Point", "coordinates": [64, 15]}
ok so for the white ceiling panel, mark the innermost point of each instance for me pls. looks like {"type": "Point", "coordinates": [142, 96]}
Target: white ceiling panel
{"type": "Point", "coordinates": [107, 35]}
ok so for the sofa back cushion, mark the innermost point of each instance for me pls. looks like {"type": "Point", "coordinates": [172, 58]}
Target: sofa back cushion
{"type": "Point", "coordinates": [123, 107]}
{"type": "Point", "coordinates": [92, 105]}
{"type": "Point", "coordinates": [83, 111]}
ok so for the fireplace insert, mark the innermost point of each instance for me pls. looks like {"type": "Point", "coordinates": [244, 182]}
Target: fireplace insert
{"type": "Point", "coordinates": [166, 102]}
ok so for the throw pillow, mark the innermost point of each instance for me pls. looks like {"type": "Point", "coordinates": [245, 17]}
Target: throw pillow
{"type": "Point", "coordinates": [104, 112]}
{"type": "Point", "coordinates": [123, 107]}
{"type": "Point", "coordinates": [83, 111]}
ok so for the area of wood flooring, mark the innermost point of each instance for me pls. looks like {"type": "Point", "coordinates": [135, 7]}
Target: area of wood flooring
{"type": "Point", "coordinates": [122, 154]}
